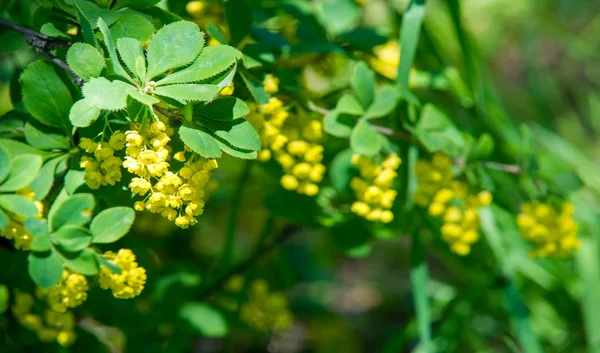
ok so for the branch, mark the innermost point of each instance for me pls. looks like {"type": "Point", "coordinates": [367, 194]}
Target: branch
{"type": "Point", "coordinates": [286, 233]}
{"type": "Point", "coordinates": [45, 44]}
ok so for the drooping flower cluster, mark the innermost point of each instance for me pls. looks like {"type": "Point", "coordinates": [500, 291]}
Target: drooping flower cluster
{"type": "Point", "coordinates": [69, 292]}
{"type": "Point", "coordinates": [265, 311]}
{"type": "Point", "coordinates": [15, 230]}
{"type": "Point", "coordinates": [268, 120]}
{"type": "Point", "coordinates": [53, 326]}
{"type": "Point", "coordinates": [552, 230]}
{"type": "Point", "coordinates": [373, 188]}
{"type": "Point", "coordinates": [295, 145]}
{"type": "Point", "coordinates": [451, 201]}
{"type": "Point", "coordinates": [176, 195]}
{"type": "Point", "coordinates": [132, 279]}
{"type": "Point", "coordinates": [103, 168]}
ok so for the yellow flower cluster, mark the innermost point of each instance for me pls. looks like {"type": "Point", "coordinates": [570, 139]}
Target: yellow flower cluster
{"type": "Point", "coordinates": [265, 311]}
{"type": "Point", "coordinates": [104, 168]}
{"type": "Point", "coordinates": [553, 231]}
{"type": "Point", "coordinates": [450, 200]}
{"type": "Point", "coordinates": [268, 120]}
{"type": "Point", "coordinates": [271, 84]}
{"type": "Point", "coordinates": [70, 292]}
{"type": "Point", "coordinates": [295, 148]}
{"type": "Point", "coordinates": [130, 282]}
{"type": "Point", "coordinates": [177, 196]}
{"type": "Point", "coordinates": [54, 326]}
{"type": "Point", "coordinates": [15, 230]}
{"type": "Point", "coordinates": [374, 187]}
{"type": "Point", "coordinates": [386, 59]}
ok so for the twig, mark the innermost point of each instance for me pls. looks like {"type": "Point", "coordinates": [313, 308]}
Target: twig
{"type": "Point", "coordinates": [508, 168]}
{"type": "Point", "coordinates": [286, 233]}
{"type": "Point", "coordinates": [45, 44]}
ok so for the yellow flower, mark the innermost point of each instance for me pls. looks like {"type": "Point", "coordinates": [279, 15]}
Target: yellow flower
{"type": "Point", "coordinates": [70, 292]}
{"type": "Point", "coordinates": [130, 282]}
{"type": "Point", "coordinates": [271, 84]}
{"type": "Point", "coordinates": [227, 90]}
{"type": "Point", "coordinates": [195, 8]}
{"type": "Point", "coordinates": [387, 59]}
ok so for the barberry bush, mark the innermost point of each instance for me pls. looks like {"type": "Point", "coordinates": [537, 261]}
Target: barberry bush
{"type": "Point", "coordinates": [289, 176]}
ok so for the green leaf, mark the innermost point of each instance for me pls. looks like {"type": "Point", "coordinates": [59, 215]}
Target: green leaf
{"type": "Point", "coordinates": [104, 262]}
{"type": "Point", "coordinates": [215, 32]}
{"type": "Point", "coordinates": [111, 224]}
{"type": "Point", "coordinates": [71, 238]}
{"type": "Point", "coordinates": [338, 16]}
{"type": "Point", "coordinates": [86, 25]}
{"type": "Point", "coordinates": [348, 104]}
{"type": "Point", "coordinates": [223, 80]}
{"type": "Point", "coordinates": [438, 133]}
{"type": "Point", "coordinates": [385, 101]}
{"type": "Point", "coordinates": [140, 68]}
{"type": "Point", "coordinates": [409, 39]}
{"type": "Point", "coordinates": [112, 52]}
{"type": "Point", "coordinates": [363, 83]}
{"type": "Point", "coordinates": [256, 90]}
{"type": "Point", "coordinates": [199, 141]}
{"type": "Point", "coordinates": [338, 125]}
{"type": "Point", "coordinates": [483, 148]}
{"type": "Point", "coordinates": [50, 29]}
{"type": "Point", "coordinates": [73, 180]}
{"type": "Point", "coordinates": [85, 60]}
{"type": "Point", "coordinates": [45, 269]}
{"type": "Point", "coordinates": [212, 61]}
{"type": "Point", "coordinates": [4, 298]}
{"type": "Point", "coordinates": [188, 92]}
{"type": "Point", "coordinates": [41, 242]}
{"type": "Point", "coordinates": [131, 50]}
{"type": "Point", "coordinates": [238, 133]}
{"type": "Point", "coordinates": [16, 148]}
{"type": "Point", "coordinates": [176, 44]}
{"type": "Point", "coordinates": [43, 182]}
{"type": "Point", "coordinates": [132, 26]}
{"type": "Point", "coordinates": [23, 170]}
{"type": "Point", "coordinates": [83, 114]}
{"type": "Point", "coordinates": [208, 321]}
{"type": "Point", "coordinates": [104, 94]}
{"type": "Point", "coordinates": [4, 163]}
{"type": "Point", "coordinates": [225, 108]}
{"type": "Point", "coordinates": [75, 210]}
{"type": "Point", "coordinates": [36, 226]}
{"type": "Point", "coordinates": [94, 13]}
{"type": "Point", "coordinates": [45, 140]}
{"type": "Point", "coordinates": [84, 262]}
{"type": "Point", "coordinates": [419, 279]}
{"type": "Point", "coordinates": [242, 154]}
{"type": "Point", "coordinates": [364, 140]}
{"type": "Point", "coordinates": [45, 96]}
{"type": "Point", "coordinates": [342, 170]}
{"type": "Point", "coordinates": [137, 4]}
{"type": "Point", "coordinates": [3, 219]}
{"type": "Point", "coordinates": [142, 97]}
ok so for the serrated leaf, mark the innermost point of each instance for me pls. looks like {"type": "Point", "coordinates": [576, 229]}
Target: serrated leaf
{"type": "Point", "coordinates": [71, 238]}
{"type": "Point", "coordinates": [112, 52]}
{"type": "Point", "coordinates": [348, 104]}
{"type": "Point", "coordinates": [235, 152]}
{"type": "Point", "coordinates": [74, 210]}
{"type": "Point", "coordinates": [44, 139]}
{"type": "Point", "coordinates": [385, 101]}
{"type": "Point", "coordinates": [45, 269]}
{"type": "Point", "coordinates": [50, 29]}
{"type": "Point", "coordinates": [225, 79]}
{"type": "Point", "coordinates": [363, 83]}
{"type": "Point", "coordinates": [175, 45]}
{"type": "Point", "coordinates": [238, 133]}
{"type": "Point", "coordinates": [140, 68]}
{"type": "Point", "coordinates": [188, 92]}
{"type": "Point", "coordinates": [199, 141]}
{"type": "Point", "coordinates": [42, 184]}
{"type": "Point", "coordinates": [4, 164]}
{"type": "Point", "coordinates": [45, 96]}
{"type": "Point", "coordinates": [23, 170]}
{"type": "Point", "coordinates": [83, 262]}
{"type": "Point", "coordinates": [211, 61]}
{"type": "Point", "coordinates": [142, 97]}
{"type": "Point", "coordinates": [364, 140]}
{"type": "Point", "coordinates": [256, 90]}
{"type": "Point", "coordinates": [338, 125]}
{"type": "Point", "coordinates": [130, 50]}
{"type": "Point", "coordinates": [94, 13]}
{"type": "Point", "coordinates": [85, 60]}
{"type": "Point", "coordinates": [104, 94]}
{"type": "Point", "coordinates": [217, 33]}
{"type": "Point", "coordinates": [41, 242]}
{"type": "Point", "coordinates": [86, 25]}
{"type": "Point", "coordinates": [132, 26]}
{"type": "Point", "coordinates": [83, 114]}
{"type": "Point", "coordinates": [225, 108]}
{"type": "Point", "coordinates": [206, 320]}
{"type": "Point", "coordinates": [111, 224]}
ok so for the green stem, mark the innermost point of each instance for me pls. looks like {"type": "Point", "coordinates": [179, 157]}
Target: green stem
{"type": "Point", "coordinates": [419, 279]}
{"type": "Point", "coordinates": [232, 224]}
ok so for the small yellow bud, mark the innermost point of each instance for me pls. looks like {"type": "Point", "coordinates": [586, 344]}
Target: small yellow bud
{"type": "Point", "coordinates": [271, 84]}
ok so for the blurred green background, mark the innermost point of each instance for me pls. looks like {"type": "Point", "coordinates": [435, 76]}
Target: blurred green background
{"type": "Point", "coordinates": [543, 58]}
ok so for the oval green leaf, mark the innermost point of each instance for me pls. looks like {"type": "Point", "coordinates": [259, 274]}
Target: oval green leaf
{"type": "Point", "coordinates": [111, 225]}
